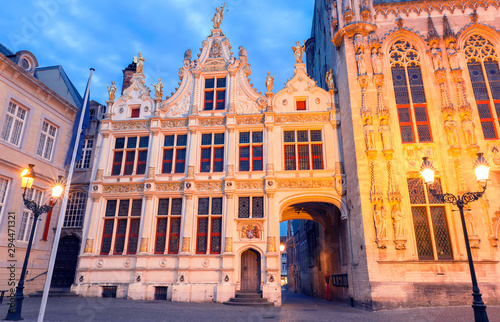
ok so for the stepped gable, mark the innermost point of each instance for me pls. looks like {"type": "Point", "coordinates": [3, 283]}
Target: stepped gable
{"type": "Point", "coordinates": [136, 95]}
{"type": "Point", "coordinates": [215, 59]}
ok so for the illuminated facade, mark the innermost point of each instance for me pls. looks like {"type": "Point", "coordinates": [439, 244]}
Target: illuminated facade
{"type": "Point", "coordinates": [415, 79]}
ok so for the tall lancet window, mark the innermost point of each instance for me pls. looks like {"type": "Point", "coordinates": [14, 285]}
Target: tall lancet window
{"type": "Point", "coordinates": [409, 91]}
{"type": "Point", "coordinates": [482, 62]}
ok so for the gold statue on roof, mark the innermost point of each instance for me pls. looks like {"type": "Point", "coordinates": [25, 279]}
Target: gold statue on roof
{"type": "Point", "coordinates": [218, 16]}
{"type": "Point", "coordinates": [298, 52]}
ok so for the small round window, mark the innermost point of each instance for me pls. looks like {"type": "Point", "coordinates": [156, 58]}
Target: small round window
{"type": "Point", "coordinates": [25, 64]}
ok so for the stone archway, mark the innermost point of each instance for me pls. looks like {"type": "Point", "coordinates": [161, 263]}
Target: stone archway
{"type": "Point", "coordinates": [318, 264]}
{"type": "Point", "coordinates": [66, 260]}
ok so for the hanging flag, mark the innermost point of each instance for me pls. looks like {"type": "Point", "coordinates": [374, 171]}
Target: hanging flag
{"type": "Point", "coordinates": [85, 125]}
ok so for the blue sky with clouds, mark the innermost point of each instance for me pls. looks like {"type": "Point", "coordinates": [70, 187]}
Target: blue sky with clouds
{"type": "Point", "coordinates": [106, 35]}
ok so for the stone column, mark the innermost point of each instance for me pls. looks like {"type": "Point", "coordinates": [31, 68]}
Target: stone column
{"type": "Point", "coordinates": [147, 223]}
{"type": "Point", "coordinates": [103, 157]}
{"type": "Point", "coordinates": [93, 228]}
{"type": "Point", "coordinates": [187, 225]}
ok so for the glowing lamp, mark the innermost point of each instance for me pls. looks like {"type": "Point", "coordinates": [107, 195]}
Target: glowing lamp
{"type": "Point", "coordinates": [27, 177]}
{"type": "Point", "coordinates": [57, 191]}
{"type": "Point", "coordinates": [482, 168]}
{"type": "Point", "coordinates": [427, 171]}
{"type": "Point", "coordinates": [282, 247]}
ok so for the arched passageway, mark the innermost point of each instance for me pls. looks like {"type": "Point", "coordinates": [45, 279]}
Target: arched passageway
{"type": "Point", "coordinates": [316, 250]}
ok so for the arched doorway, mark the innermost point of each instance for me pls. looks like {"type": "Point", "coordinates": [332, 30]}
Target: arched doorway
{"type": "Point", "coordinates": [250, 270]}
{"type": "Point", "coordinates": [66, 259]}
{"type": "Point", "coordinates": [316, 249]}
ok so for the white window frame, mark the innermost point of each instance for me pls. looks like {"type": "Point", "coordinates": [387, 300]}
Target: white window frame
{"type": "Point", "coordinates": [4, 187]}
{"type": "Point", "coordinates": [27, 218]}
{"type": "Point", "coordinates": [47, 140]}
{"type": "Point", "coordinates": [84, 163]}
{"type": "Point", "coordinates": [14, 123]}
{"type": "Point", "coordinates": [75, 210]}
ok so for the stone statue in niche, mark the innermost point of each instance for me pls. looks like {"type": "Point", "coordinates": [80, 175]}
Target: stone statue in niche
{"type": "Point", "coordinates": [112, 90]}
{"type": "Point", "coordinates": [139, 61]}
{"type": "Point", "coordinates": [298, 52]}
{"type": "Point", "coordinates": [187, 55]}
{"type": "Point", "coordinates": [469, 221]}
{"type": "Point", "coordinates": [369, 133]}
{"type": "Point", "coordinates": [437, 58]}
{"type": "Point", "coordinates": [385, 134]}
{"type": "Point", "coordinates": [452, 52]}
{"type": "Point", "coordinates": [360, 61]}
{"type": "Point", "coordinates": [218, 16]}
{"type": "Point", "coordinates": [376, 59]}
{"type": "Point", "coordinates": [330, 80]}
{"type": "Point", "coordinates": [269, 82]}
{"type": "Point", "coordinates": [158, 89]}
{"type": "Point", "coordinates": [379, 218]}
{"type": "Point", "coordinates": [397, 219]}
{"type": "Point", "coordinates": [451, 133]}
{"type": "Point", "coordinates": [469, 129]}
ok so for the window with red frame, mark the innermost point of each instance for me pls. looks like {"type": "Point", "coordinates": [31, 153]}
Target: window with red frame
{"type": "Point", "coordinates": [409, 92]}
{"type": "Point", "coordinates": [174, 153]}
{"type": "Point", "coordinates": [134, 112]}
{"type": "Point", "coordinates": [168, 220]}
{"type": "Point", "coordinates": [250, 146]}
{"type": "Point", "coordinates": [300, 105]}
{"type": "Point", "coordinates": [135, 149]}
{"type": "Point", "coordinates": [121, 226]}
{"type": "Point", "coordinates": [209, 225]}
{"type": "Point", "coordinates": [486, 105]}
{"type": "Point", "coordinates": [215, 93]}
{"type": "Point", "coordinates": [212, 152]}
{"type": "Point", "coordinates": [303, 150]}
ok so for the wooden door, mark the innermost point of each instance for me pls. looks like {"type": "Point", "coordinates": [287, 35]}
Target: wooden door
{"type": "Point", "coordinates": [250, 270]}
{"type": "Point", "coordinates": [66, 259]}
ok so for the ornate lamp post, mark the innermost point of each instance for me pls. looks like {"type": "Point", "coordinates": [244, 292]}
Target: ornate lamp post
{"type": "Point", "coordinates": [27, 178]}
{"type": "Point", "coordinates": [481, 168]}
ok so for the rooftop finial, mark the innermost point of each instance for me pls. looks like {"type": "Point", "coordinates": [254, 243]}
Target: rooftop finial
{"type": "Point", "coordinates": [218, 16]}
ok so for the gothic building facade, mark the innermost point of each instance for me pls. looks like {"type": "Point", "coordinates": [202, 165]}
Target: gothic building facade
{"type": "Point", "coordinates": [415, 79]}
{"type": "Point", "coordinates": [189, 190]}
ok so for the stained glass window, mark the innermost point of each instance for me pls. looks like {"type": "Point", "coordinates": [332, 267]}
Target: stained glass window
{"type": "Point", "coordinates": [484, 73]}
{"type": "Point", "coordinates": [429, 221]}
{"type": "Point", "coordinates": [406, 79]}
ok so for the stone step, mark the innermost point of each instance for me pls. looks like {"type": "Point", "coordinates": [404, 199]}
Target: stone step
{"type": "Point", "coordinates": [253, 304]}
{"type": "Point", "coordinates": [55, 293]}
{"type": "Point", "coordinates": [248, 296]}
{"type": "Point", "coordinates": [248, 300]}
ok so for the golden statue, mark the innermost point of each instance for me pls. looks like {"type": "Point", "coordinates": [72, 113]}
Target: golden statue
{"type": "Point", "coordinates": [139, 61]}
{"type": "Point", "coordinates": [269, 82]}
{"type": "Point", "coordinates": [111, 91]}
{"type": "Point", "coordinates": [330, 80]}
{"type": "Point", "coordinates": [298, 52]}
{"type": "Point", "coordinates": [158, 89]}
{"type": "Point", "coordinates": [218, 16]}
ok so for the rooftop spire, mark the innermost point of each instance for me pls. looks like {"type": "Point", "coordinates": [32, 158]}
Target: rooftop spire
{"type": "Point", "coordinates": [432, 34]}
{"type": "Point", "coordinates": [448, 34]}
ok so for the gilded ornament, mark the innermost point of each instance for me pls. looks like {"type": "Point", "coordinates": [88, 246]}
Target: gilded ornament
{"type": "Point", "coordinates": [209, 186]}
{"type": "Point", "coordinates": [190, 171]}
{"type": "Point", "coordinates": [212, 121]}
{"type": "Point", "coordinates": [99, 175]}
{"type": "Point", "coordinates": [325, 183]}
{"type": "Point", "coordinates": [174, 123]}
{"type": "Point", "coordinates": [298, 52]}
{"type": "Point", "coordinates": [144, 244]}
{"type": "Point", "coordinates": [165, 187]}
{"type": "Point", "coordinates": [185, 244]}
{"type": "Point", "coordinates": [271, 244]}
{"type": "Point", "coordinates": [89, 245]}
{"type": "Point", "coordinates": [135, 125]}
{"type": "Point", "coordinates": [303, 118]}
{"type": "Point", "coordinates": [247, 120]}
{"type": "Point", "coordinates": [228, 245]}
{"type": "Point", "coordinates": [250, 185]}
{"type": "Point", "coordinates": [123, 188]}
{"type": "Point", "coordinates": [111, 91]}
{"type": "Point", "coordinates": [250, 231]}
{"type": "Point", "coordinates": [151, 172]}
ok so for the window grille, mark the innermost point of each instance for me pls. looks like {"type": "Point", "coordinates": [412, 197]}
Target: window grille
{"type": "Point", "coordinates": [429, 221]}
{"type": "Point", "coordinates": [14, 123]}
{"type": "Point", "coordinates": [209, 226]}
{"type": "Point", "coordinates": [75, 210]}
{"type": "Point", "coordinates": [303, 149]}
{"type": "Point", "coordinates": [84, 163]}
{"type": "Point", "coordinates": [406, 79]}
{"type": "Point", "coordinates": [250, 207]}
{"type": "Point", "coordinates": [168, 225]}
{"type": "Point", "coordinates": [215, 93]}
{"type": "Point", "coordinates": [135, 150]}
{"type": "Point", "coordinates": [161, 293]}
{"type": "Point", "coordinates": [484, 73]}
{"type": "Point", "coordinates": [109, 291]}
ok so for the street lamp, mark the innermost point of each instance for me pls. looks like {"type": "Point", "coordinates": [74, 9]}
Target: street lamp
{"type": "Point", "coordinates": [481, 168]}
{"type": "Point", "coordinates": [282, 247]}
{"type": "Point", "coordinates": [27, 178]}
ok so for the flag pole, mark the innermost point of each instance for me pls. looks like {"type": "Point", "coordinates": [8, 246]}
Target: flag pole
{"type": "Point", "coordinates": [52, 261]}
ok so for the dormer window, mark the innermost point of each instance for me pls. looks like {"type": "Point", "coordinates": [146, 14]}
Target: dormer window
{"type": "Point", "coordinates": [134, 112]}
{"type": "Point", "coordinates": [92, 114]}
{"type": "Point", "coordinates": [215, 93]}
{"type": "Point", "coordinates": [300, 104]}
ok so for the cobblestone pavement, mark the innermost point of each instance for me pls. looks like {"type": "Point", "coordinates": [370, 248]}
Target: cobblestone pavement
{"type": "Point", "coordinates": [295, 307]}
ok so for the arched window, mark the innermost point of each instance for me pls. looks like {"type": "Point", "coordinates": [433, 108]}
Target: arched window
{"type": "Point", "coordinates": [75, 210]}
{"type": "Point", "coordinates": [409, 91]}
{"type": "Point", "coordinates": [482, 63]}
